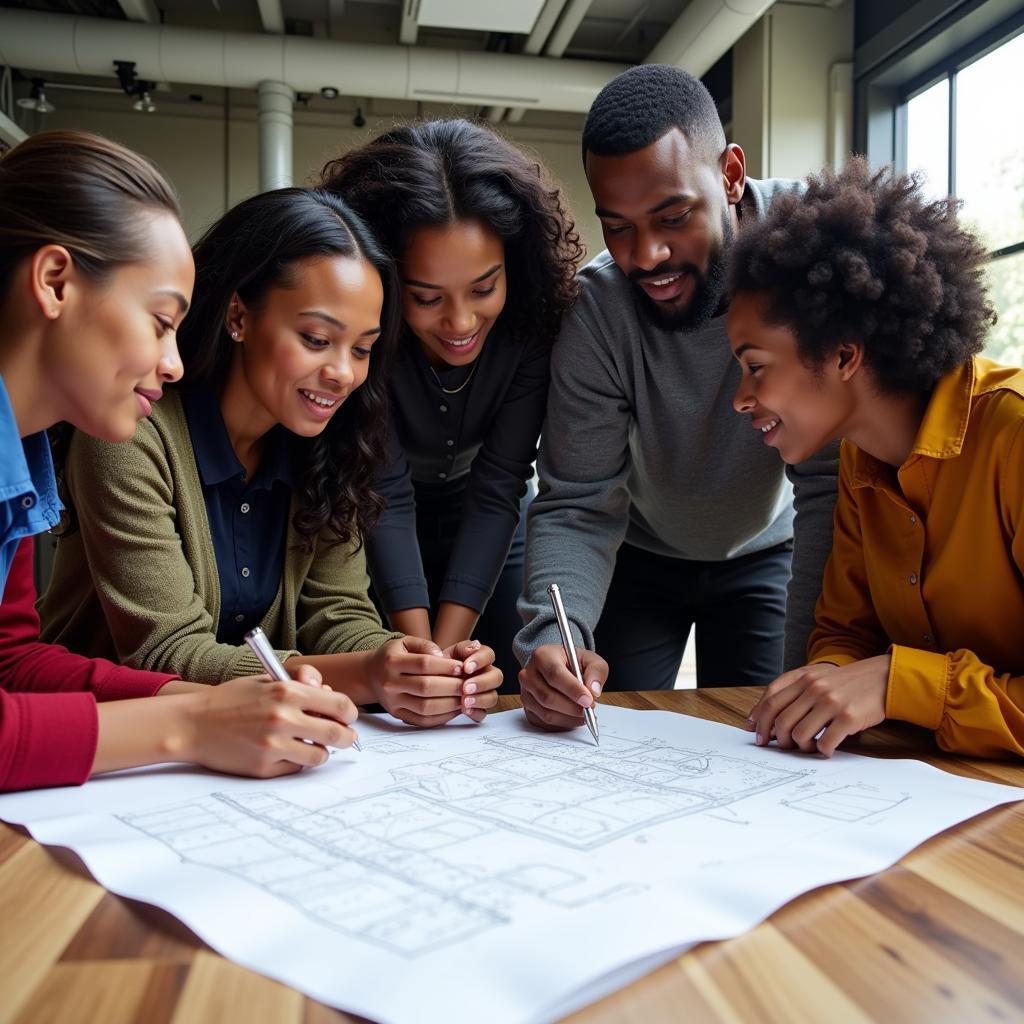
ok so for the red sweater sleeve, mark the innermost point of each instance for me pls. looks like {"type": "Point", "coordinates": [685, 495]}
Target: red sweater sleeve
{"type": "Point", "coordinates": [48, 722]}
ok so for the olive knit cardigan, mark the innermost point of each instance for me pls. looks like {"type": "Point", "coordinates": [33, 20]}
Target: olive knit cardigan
{"type": "Point", "coordinates": [136, 581]}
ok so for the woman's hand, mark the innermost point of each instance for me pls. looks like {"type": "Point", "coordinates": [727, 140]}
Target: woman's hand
{"type": "Point", "coordinates": [481, 677]}
{"type": "Point", "coordinates": [553, 698]}
{"type": "Point", "coordinates": [816, 707]}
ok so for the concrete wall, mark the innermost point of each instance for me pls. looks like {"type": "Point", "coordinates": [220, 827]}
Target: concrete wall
{"type": "Point", "coordinates": [792, 96]}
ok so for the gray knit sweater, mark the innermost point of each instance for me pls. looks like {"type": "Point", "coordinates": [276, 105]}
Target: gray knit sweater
{"type": "Point", "coordinates": [641, 444]}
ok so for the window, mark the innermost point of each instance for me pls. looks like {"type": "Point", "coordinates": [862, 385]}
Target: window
{"type": "Point", "coordinates": [963, 131]}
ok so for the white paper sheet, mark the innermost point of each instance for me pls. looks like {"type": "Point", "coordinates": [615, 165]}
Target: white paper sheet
{"type": "Point", "coordinates": [495, 873]}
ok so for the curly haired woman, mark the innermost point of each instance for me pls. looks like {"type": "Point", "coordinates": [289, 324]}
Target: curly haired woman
{"type": "Point", "coordinates": [487, 255]}
{"type": "Point", "coordinates": [859, 312]}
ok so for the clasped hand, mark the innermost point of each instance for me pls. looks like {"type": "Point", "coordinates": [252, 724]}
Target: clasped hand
{"type": "Point", "coordinates": [818, 706]}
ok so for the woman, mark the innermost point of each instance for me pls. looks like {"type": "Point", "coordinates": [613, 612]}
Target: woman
{"type": "Point", "coordinates": [858, 312]}
{"type": "Point", "coordinates": [95, 276]}
{"type": "Point", "coordinates": [487, 255]}
{"type": "Point", "coordinates": [253, 481]}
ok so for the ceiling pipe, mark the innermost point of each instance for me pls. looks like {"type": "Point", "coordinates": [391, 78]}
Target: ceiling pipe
{"type": "Point", "coordinates": [704, 32]}
{"type": "Point", "coordinates": [239, 60]}
{"type": "Point", "coordinates": [10, 133]}
{"type": "Point", "coordinates": [271, 15]}
{"type": "Point", "coordinates": [140, 10]}
{"type": "Point", "coordinates": [410, 27]}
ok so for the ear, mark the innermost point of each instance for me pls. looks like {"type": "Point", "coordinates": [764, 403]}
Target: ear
{"type": "Point", "coordinates": [734, 173]}
{"type": "Point", "coordinates": [235, 320]}
{"type": "Point", "coordinates": [850, 355]}
{"type": "Point", "coordinates": [50, 274]}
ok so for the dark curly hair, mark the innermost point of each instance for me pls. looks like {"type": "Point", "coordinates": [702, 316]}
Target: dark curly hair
{"type": "Point", "coordinates": [438, 172]}
{"type": "Point", "coordinates": [637, 107]}
{"type": "Point", "coordinates": [864, 256]}
{"type": "Point", "coordinates": [253, 249]}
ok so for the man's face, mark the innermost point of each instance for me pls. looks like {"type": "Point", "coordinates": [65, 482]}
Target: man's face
{"type": "Point", "coordinates": [667, 224]}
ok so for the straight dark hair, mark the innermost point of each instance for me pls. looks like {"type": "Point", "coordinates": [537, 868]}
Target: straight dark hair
{"type": "Point", "coordinates": [254, 248]}
{"type": "Point", "coordinates": [438, 172]}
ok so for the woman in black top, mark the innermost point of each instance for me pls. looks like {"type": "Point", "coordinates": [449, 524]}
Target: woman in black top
{"type": "Point", "coordinates": [487, 254]}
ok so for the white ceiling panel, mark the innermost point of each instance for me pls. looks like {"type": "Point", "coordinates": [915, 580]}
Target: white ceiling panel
{"type": "Point", "coordinates": [517, 16]}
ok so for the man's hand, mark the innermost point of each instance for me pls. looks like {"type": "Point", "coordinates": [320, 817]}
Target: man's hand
{"type": "Point", "coordinates": [816, 707]}
{"type": "Point", "coordinates": [553, 698]}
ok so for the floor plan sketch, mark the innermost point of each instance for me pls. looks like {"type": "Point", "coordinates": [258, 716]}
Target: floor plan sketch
{"type": "Point", "coordinates": [846, 803]}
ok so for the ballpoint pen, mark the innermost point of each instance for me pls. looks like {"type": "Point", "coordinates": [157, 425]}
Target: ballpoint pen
{"type": "Point", "coordinates": [570, 652]}
{"type": "Point", "coordinates": [260, 645]}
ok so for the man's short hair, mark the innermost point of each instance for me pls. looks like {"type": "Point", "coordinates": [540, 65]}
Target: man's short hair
{"type": "Point", "coordinates": [639, 106]}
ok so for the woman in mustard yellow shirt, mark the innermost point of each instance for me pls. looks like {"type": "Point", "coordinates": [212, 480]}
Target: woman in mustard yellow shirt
{"type": "Point", "coordinates": [858, 312]}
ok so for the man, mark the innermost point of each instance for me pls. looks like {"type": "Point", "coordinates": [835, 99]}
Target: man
{"type": "Point", "coordinates": [659, 507]}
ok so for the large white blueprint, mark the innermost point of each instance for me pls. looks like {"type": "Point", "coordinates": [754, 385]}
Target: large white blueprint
{"type": "Point", "coordinates": [494, 873]}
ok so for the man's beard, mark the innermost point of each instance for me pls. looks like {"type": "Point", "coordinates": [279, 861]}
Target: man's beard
{"type": "Point", "coordinates": [709, 289]}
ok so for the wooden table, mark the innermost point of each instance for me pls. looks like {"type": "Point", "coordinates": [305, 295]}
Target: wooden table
{"type": "Point", "coordinates": [939, 937]}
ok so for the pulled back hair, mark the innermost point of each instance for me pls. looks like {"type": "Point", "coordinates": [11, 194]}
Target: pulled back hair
{"type": "Point", "coordinates": [80, 191]}
{"type": "Point", "coordinates": [435, 173]}
{"type": "Point", "coordinates": [254, 248]}
{"type": "Point", "coordinates": [865, 257]}
{"type": "Point", "coordinates": [637, 107]}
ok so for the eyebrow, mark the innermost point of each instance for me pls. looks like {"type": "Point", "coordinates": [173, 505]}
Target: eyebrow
{"type": "Point", "coordinates": [440, 288]}
{"type": "Point", "coordinates": [743, 348]}
{"type": "Point", "coordinates": [327, 318]}
{"type": "Point", "coordinates": [682, 197]}
{"type": "Point", "coordinates": [175, 294]}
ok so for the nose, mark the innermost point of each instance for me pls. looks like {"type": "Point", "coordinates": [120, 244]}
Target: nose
{"type": "Point", "coordinates": [459, 319]}
{"type": "Point", "coordinates": [338, 370]}
{"type": "Point", "coordinates": [649, 250]}
{"type": "Point", "coordinates": [169, 368]}
{"type": "Point", "coordinates": [743, 401]}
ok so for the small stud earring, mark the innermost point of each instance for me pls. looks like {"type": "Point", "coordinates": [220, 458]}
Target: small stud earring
{"type": "Point", "coordinates": [234, 335]}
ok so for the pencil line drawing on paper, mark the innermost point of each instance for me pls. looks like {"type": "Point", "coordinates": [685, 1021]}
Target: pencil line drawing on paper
{"type": "Point", "coordinates": [375, 866]}
{"type": "Point", "coordinates": [846, 803]}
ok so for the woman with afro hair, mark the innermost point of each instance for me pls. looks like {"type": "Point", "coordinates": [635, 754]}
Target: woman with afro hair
{"type": "Point", "coordinates": [859, 311]}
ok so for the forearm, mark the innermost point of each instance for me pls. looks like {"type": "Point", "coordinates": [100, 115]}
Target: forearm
{"type": "Point", "coordinates": [133, 733]}
{"type": "Point", "coordinates": [411, 622]}
{"type": "Point", "coordinates": [347, 673]}
{"type": "Point", "coordinates": [454, 622]}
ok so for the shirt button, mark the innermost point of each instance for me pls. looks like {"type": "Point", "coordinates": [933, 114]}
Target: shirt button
{"type": "Point", "coordinates": [444, 408]}
{"type": "Point", "coordinates": [245, 571]}
{"type": "Point", "coordinates": [913, 519]}
{"type": "Point", "coordinates": [28, 501]}
{"type": "Point", "coordinates": [244, 507]}
{"type": "Point", "coordinates": [927, 638]}
{"type": "Point", "coordinates": [443, 476]}
{"type": "Point", "coordinates": [449, 442]}
{"type": "Point", "coordinates": [239, 618]}
{"type": "Point", "coordinates": [913, 578]}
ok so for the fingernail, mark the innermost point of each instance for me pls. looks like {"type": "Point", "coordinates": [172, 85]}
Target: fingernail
{"type": "Point", "coordinates": [458, 670]}
{"type": "Point", "coordinates": [759, 739]}
{"type": "Point", "coordinates": [584, 700]}
{"type": "Point", "coordinates": [470, 666]}
{"type": "Point", "coordinates": [469, 688]}
{"type": "Point", "coordinates": [596, 687]}
{"type": "Point", "coordinates": [469, 701]}
{"type": "Point", "coordinates": [474, 646]}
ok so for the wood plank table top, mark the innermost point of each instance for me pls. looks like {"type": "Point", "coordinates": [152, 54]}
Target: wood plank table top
{"type": "Point", "coordinates": [938, 937]}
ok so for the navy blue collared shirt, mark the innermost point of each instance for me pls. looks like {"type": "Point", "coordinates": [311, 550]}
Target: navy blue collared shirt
{"type": "Point", "coordinates": [28, 489]}
{"type": "Point", "coordinates": [248, 519]}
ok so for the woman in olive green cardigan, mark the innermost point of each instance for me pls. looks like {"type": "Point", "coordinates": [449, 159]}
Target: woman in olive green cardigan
{"type": "Point", "coordinates": [265, 460]}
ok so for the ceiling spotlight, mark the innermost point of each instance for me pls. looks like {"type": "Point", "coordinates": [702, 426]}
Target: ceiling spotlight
{"type": "Point", "coordinates": [359, 121]}
{"type": "Point", "coordinates": [144, 103]}
{"type": "Point", "coordinates": [37, 101]}
{"type": "Point", "coordinates": [329, 92]}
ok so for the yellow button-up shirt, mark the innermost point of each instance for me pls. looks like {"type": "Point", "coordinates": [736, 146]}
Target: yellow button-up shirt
{"type": "Point", "coordinates": [928, 563]}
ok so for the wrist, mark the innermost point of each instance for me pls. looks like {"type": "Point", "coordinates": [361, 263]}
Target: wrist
{"type": "Point", "coordinates": [180, 739]}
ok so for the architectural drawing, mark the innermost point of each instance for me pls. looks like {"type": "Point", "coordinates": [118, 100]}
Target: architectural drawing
{"type": "Point", "coordinates": [375, 867]}
{"type": "Point", "coordinates": [846, 803]}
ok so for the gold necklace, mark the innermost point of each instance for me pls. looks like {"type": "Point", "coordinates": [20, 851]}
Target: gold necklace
{"type": "Point", "coordinates": [454, 391]}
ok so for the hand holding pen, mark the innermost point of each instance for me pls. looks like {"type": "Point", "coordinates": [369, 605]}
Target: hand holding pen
{"type": "Point", "coordinates": [261, 647]}
{"type": "Point", "coordinates": [554, 696]}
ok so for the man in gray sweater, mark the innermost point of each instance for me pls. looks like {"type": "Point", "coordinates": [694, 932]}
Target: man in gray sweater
{"type": "Point", "coordinates": [659, 507]}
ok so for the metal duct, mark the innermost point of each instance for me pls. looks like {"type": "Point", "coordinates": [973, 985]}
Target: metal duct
{"type": "Point", "coordinates": [238, 60]}
{"type": "Point", "coordinates": [705, 31]}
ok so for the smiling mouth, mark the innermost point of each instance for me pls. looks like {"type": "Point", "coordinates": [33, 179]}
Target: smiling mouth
{"type": "Point", "coordinates": [662, 281]}
{"type": "Point", "coordinates": [324, 403]}
{"type": "Point", "coordinates": [459, 342]}
{"type": "Point", "coordinates": [769, 426]}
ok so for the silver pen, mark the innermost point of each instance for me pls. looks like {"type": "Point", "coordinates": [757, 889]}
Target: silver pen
{"type": "Point", "coordinates": [260, 645]}
{"type": "Point", "coordinates": [570, 652]}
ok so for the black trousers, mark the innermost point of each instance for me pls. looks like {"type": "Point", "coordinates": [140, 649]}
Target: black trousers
{"type": "Point", "coordinates": [438, 514]}
{"type": "Point", "coordinates": [737, 606]}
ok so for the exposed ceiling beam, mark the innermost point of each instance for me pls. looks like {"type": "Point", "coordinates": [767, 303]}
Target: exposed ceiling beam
{"type": "Point", "coordinates": [704, 32]}
{"type": "Point", "coordinates": [410, 22]}
{"type": "Point", "coordinates": [10, 133]}
{"type": "Point", "coordinates": [140, 10]}
{"type": "Point", "coordinates": [271, 14]}
{"type": "Point", "coordinates": [559, 40]}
